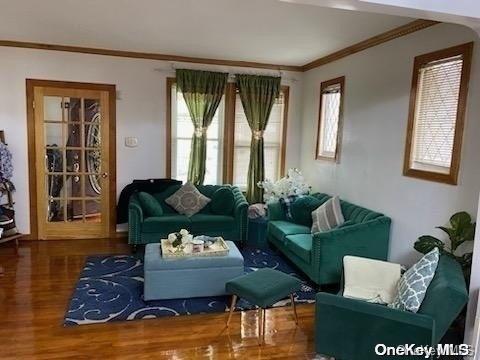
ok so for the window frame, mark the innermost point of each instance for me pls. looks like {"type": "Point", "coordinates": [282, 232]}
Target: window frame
{"type": "Point", "coordinates": [465, 50]}
{"type": "Point", "coordinates": [228, 142]}
{"type": "Point", "coordinates": [323, 85]}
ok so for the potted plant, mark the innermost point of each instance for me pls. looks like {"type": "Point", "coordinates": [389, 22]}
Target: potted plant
{"type": "Point", "coordinates": [460, 230]}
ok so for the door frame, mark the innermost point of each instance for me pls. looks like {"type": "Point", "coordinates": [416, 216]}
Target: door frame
{"type": "Point", "coordinates": [32, 178]}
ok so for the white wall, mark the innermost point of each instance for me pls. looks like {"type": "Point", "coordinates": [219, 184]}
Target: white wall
{"type": "Point", "coordinates": [377, 89]}
{"type": "Point", "coordinates": [140, 109]}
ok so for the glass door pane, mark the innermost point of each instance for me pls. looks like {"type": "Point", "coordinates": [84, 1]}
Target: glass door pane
{"type": "Point", "coordinates": [72, 136]}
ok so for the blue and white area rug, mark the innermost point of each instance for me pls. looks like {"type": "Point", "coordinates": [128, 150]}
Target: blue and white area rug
{"type": "Point", "coordinates": [110, 288]}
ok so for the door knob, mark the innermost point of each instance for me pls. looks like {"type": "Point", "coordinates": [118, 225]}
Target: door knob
{"type": "Point", "coordinates": [105, 175]}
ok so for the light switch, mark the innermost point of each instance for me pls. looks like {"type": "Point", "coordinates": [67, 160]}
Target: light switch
{"type": "Point", "coordinates": [131, 142]}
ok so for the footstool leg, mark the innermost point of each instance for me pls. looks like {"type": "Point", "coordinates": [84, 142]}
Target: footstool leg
{"type": "Point", "coordinates": [261, 326]}
{"type": "Point", "coordinates": [264, 322]}
{"type": "Point", "coordinates": [232, 308]}
{"type": "Point", "coordinates": [292, 300]}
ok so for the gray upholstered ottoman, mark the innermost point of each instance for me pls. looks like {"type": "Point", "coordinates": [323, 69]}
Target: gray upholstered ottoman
{"type": "Point", "coordinates": [189, 277]}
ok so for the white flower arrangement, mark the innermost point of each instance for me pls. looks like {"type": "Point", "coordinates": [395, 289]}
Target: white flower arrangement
{"type": "Point", "coordinates": [292, 184]}
{"type": "Point", "coordinates": [180, 238]}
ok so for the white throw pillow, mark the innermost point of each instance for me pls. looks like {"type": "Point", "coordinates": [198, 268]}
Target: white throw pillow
{"type": "Point", "coordinates": [370, 280]}
{"type": "Point", "coordinates": [327, 216]}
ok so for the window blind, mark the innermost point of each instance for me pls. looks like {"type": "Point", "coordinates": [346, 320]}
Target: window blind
{"type": "Point", "coordinates": [182, 131]}
{"type": "Point", "coordinates": [329, 118]}
{"type": "Point", "coordinates": [272, 139]}
{"type": "Point", "coordinates": [436, 107]}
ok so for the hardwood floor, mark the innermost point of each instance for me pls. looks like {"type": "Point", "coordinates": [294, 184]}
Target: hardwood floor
{"type": "Point", "coordinates": [36, 287]}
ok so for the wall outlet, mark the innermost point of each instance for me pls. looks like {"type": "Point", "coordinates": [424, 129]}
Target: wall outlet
{"type": "Point", "coordinates": [131, 142]}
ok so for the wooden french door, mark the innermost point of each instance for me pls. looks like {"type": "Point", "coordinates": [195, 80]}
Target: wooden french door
{"type": "Point", "coordinates": [73, 160]}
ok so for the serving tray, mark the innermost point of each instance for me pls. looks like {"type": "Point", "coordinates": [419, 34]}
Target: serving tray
{"type": "Point", "coordinates": [218, 248]}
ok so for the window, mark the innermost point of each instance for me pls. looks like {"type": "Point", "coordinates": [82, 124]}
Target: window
{"type": "Point", "coordinates": [273, 139]}
{"type": "Point", "coordinates": [181, 138]}
{"type": "Point", "coordinates": [228, 139]}
{"type": "Point", "coordinates": [330, 119]}
{"type": "Point", "coordinates": [436, 116]}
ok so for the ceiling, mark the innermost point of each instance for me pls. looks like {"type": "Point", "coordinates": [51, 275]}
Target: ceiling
{"type": "Point", "coordinates": [267, 31]}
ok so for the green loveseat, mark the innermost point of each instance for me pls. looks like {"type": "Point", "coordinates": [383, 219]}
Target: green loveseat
{"type": "Point", "coordinates": [349, 329]}
{"type": "Point", "coordinates": [365, 233]}
{"type": "Point", "coordinates": [144, 230]}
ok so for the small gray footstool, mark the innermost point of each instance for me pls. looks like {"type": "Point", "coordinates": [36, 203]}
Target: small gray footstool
{"type": "Point", "coordinates": [263, 288]}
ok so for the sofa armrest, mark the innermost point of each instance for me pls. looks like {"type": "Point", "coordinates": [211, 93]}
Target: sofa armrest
{"type": "Point", "coordinates": [275, 211]}
{"type": "Point", "coordinates": [135, 219]}
{"type": "Point", "coordinates": [350, 329]}
{"type": "Point", "coordinates": [240, 211]}
{"type": "Point", "coordinates": [369, 239]}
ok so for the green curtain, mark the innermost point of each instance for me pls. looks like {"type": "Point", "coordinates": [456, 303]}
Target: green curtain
{"type": "Point", "coordinates": [202, 91]}
{"type": "Point", "coordinates": [258, 94]}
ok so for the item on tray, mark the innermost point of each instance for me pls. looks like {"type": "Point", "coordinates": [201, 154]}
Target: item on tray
{"type": "Point", "coordinates": [180, 239]}
{"type": "Point", "coordinates": [197, 245]}
{"type": "Point", "coordinates": [208, 240]}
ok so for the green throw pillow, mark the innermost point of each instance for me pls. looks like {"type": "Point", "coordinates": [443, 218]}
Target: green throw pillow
{"type": "Point", "coordinates": [302, 208]}
{"type": "Point", "coordinates": [149, 204]}
{"type": "Point", "coordinates": [222, 201]}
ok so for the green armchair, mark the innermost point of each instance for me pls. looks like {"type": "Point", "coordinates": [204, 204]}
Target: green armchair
{"type": "Point", "coordinates": [144, 230]}
{"type": "Point", "coordinates": [349, 329]}
{"type": "Point", "coordinates": [365, 233]}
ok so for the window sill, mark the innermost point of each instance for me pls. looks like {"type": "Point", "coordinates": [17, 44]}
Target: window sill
{"type": "Point", "coordinates": [451, 179]}
{"type": "Point", "coordinates": [326, 158]}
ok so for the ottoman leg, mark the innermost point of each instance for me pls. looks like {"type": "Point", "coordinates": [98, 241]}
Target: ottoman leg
{"type": "Point", "coordinates": [232, 308]}
{"type": "Point", "coordinates": [292, 300]}
{"type": "Point", "coordinates": [261, 326]}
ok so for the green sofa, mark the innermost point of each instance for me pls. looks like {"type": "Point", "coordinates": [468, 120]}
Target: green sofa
{"type": "Point", "coordinates": [350, 329]}
{"type": "Point", "coordinates": [365, 233]}
{"type": "Point", "coordinates": [144, 230]}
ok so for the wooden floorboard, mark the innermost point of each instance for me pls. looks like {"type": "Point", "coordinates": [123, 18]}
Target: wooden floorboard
{"type": "Point", "coordinates": [37, 284]}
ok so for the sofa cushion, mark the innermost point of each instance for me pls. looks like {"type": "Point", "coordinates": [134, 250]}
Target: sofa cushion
{"type": "Point", "coordinates": [188, 200]}
{"type": "Point", "coordinates": [327, 216]}
{"type": "Point", "coordinates": [149, 204]}
{"type": "Point", "coordinates": [301, 209]}
{"type": "Point", "coordinates": [166, 224]}
{"type": "Point", "coordinates": [281, 229]}
{"type": "Point", "coordinates": [206, 223]}
{"type": "Point", "coordinates": [222, 201]}
{"type": "Point", "coordinates": [300, 245]}
{"type": "Point", "coordinates": [357, 214]}
{"type": "Point", "coordinates": [370, 280]}
{"type": "Point", "coordinates": [413, 285]}
{"type": "Point", "coordinates": [167, 209]}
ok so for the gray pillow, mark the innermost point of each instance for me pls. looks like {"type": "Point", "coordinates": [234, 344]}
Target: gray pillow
{"type": "Point", "coordinates": [412, 286]}
{"type": "Point", "coordinates": [327, 216]}
{"type": "Point", "coordinates": [188, 200]}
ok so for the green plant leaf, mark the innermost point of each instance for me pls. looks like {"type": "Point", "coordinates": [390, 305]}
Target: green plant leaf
{"type": "Point", "coordinates": [448, 231]}
{"type": "Point", "coordinates": [469, 233]}
{"type": "Point", "coordinates": [460, 220]}
{"type": "Point", "coordinates": [426, 243]}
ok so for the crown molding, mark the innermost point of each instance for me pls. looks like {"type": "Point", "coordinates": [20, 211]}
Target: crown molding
{"type": "Point", "coordinates": [147, 56]}
{"type": "Point", "coordinates": [395, 33]}
{"type": "Point", "coordinates": [379, 39]}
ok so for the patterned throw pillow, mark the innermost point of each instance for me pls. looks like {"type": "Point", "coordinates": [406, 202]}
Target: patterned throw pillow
{"type": "Point", "coordinates": [327, 216]}
{"type": "Point", "coordinates": [188, 200]}
{"type": "Point", "coordinates": [413, 285]}
{"type": "Point", "coordinates": [286, 204]}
